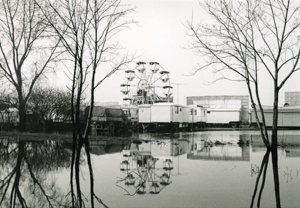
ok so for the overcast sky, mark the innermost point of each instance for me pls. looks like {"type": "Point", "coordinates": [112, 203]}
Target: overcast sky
{"type": "Point", "coordinates": [161, 36]}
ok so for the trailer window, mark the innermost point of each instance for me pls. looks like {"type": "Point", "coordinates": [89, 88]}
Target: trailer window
{"type": "Point", "coordinates": [176, 110]}
{"type": "Point", "coordinates": [195, 112]}
{"type": "Point", "coordinates": [191, 112]}
{"type": "Point", "coordinates": [208, 112]}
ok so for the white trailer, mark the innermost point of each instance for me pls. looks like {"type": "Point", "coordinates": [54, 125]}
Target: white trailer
{"type": "Point", "coordinates": [169, 115]}
{"type": "Point", "coordinates": [288, 117]}
{"type": "Point", "coordinates": [185, 119]}
{"type": "Point", "coordinates": [223, 117]}
{"type": "Point", "coordinates": [197, 116]}
{"type": "Point", "coordinates": [144, 116]}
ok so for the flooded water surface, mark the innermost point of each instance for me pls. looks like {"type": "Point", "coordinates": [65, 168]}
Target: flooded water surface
{"type": "Point", "coordinates": [195, 169]}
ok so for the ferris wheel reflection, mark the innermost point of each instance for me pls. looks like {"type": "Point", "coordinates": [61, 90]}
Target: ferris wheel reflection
{"type": "Point", "coordinates": [143, 173]}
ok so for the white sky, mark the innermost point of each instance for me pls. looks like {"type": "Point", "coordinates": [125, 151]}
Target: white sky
{"type": "Point", "coordinates": [161, 37]}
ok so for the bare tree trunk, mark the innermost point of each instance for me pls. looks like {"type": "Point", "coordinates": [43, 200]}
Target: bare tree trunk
{"type": "Point", "coordinates": [16, 184]}
{"type": "Point", "coordinates": [87, 150]}
{"type": "Point", "coordinates": [22, 115]}
{"type": "Point", "coordinates": [274, 145]}
{"type": "Point", "coordinates": [263, 169]}
{"type": "Point", "coordinates": [275, 120]}
{"type": "Point", "coordinates": [77, 174]}
{"type": "Point", "coordinates": [276, 176]}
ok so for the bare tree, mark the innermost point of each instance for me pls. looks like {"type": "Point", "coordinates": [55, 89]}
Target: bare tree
{"type": "Point", "coordinates": [87, 28]}
{"type": "Point", "coordinates": [245, 38]}
{"type": "Point", "coordinates": [26, 48]}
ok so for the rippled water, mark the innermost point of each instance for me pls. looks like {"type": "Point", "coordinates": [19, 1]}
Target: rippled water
{"type": "Point", "coordinates": [198, 169]}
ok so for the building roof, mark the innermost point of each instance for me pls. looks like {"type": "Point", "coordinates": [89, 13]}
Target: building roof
{"type": "Point", "coordinates": [280, 109]}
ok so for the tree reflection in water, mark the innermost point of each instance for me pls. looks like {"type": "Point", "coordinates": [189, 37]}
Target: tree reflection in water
{"type": "Point", "coordinates": [24, 169]}
{"type": "Point", "coordinates": [262, 175]}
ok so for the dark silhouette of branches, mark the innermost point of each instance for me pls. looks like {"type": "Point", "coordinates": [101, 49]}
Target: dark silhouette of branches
{"type": "Point", "coordinates": [245, 38]}
{"type": "Point", "coordinates": [86, 30]}
{"type": "Point", "coordinates": [27, 48]}
{"type": "Point", "coordinates": [30, 163]}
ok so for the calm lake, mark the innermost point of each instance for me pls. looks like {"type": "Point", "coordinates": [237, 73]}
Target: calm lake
{"type": "Point", "coordinates": [189, 169]}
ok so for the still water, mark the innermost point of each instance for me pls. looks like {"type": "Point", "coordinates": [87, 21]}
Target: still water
{"type": "Point", "coordinates": [195, 169]}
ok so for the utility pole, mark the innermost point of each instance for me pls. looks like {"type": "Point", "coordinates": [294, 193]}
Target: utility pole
{"type": "Point", "coordinates": [177, 87]}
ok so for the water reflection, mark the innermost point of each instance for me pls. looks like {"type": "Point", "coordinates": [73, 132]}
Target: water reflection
{"type": "Point", "coordinates": [235, 147]}
{"type": "Point", "coordinates": [25, 168]}
{"type": "Point", "coordinates": [261, 178]}
{"type": "Point", "coordinates": [261, 171]}
{"type": "Point", "coordinates": [151, 148]}
{"type": "Point", "coordinates": [147, 166]}
{"type": "Point", "coordinates": [178, 167]}
{"type": "Point", "coordinates": [292, 152]}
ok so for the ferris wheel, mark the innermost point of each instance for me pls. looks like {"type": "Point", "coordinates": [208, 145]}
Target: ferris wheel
{"type": "Point", "coordinates": [147, 83]}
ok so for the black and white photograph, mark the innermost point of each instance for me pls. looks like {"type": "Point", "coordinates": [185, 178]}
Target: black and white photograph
{"type": "Point", "coordinates": [149, 103]}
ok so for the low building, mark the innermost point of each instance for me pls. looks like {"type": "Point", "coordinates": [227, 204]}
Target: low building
{"type": "Point", "coordinates": [288, 116]}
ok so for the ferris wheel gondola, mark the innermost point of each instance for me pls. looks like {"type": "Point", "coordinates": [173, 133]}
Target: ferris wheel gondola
{"type": "Point", "coordinates": [147, 83]}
